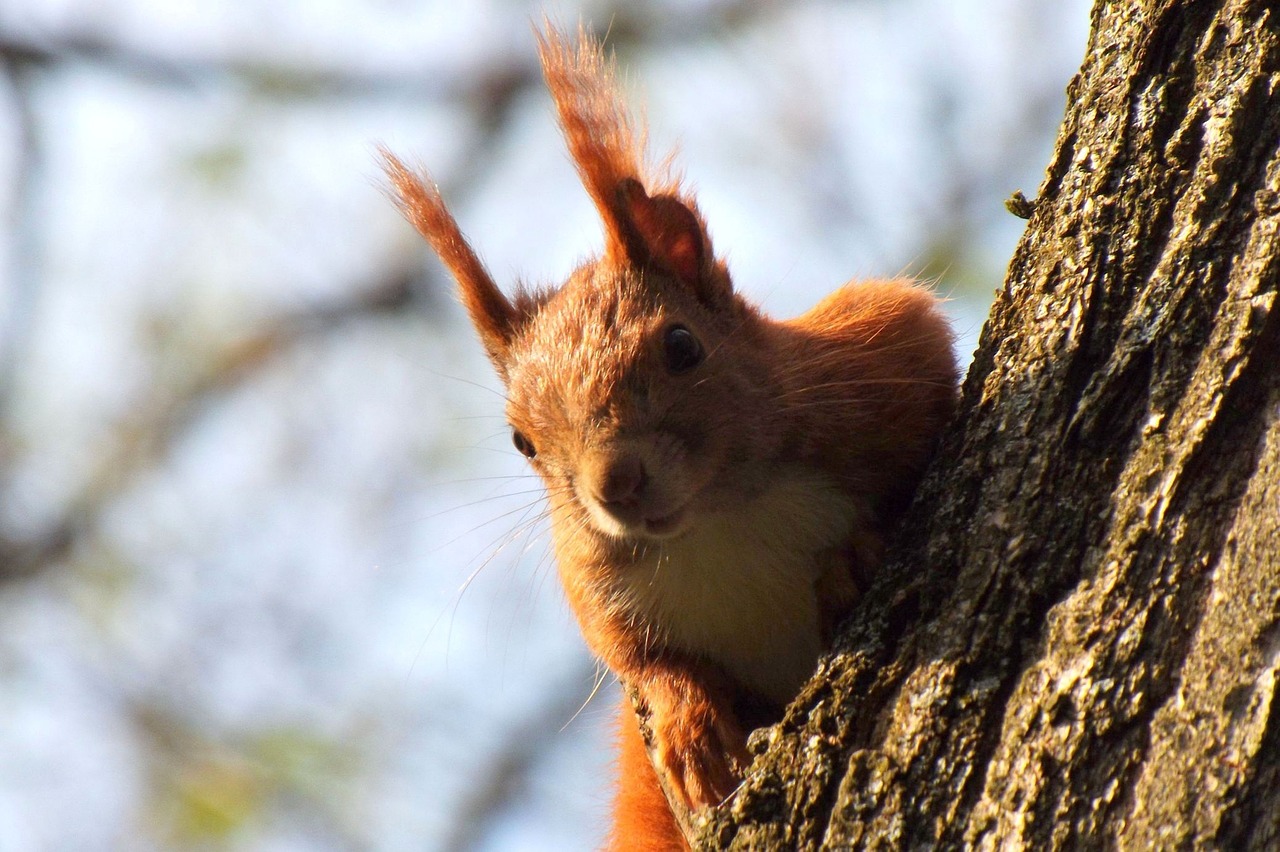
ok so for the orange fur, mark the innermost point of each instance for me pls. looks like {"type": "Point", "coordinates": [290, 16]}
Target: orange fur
{"type": "Point", "coordinates": [719, 482]}
{"type": "Point", "coordinates": [642, 820]}
{"type": "Point", "coordinates": [420, 201]}
{"type": "Point", "coordinates": [599, 133]}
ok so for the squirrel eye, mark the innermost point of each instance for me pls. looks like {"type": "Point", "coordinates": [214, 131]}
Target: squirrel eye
{"type": "Point", "coordinates": [523, 444]}
{"type": "Point", "coordinates": [682, 350]}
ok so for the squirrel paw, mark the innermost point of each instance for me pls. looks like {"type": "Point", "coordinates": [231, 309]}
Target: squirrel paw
{"type": "Point", "coordinates": [700, 749]}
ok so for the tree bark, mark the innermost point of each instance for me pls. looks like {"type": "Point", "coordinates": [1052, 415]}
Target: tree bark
{"type": "Point", "coordinates": [1076, 641]}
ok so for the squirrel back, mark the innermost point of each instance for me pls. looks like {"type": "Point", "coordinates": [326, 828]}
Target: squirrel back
{"type": "Point", "coordinates": [719, 482]}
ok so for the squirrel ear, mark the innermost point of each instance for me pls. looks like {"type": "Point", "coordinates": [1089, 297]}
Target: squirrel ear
{"type": "Point", "coordinates": [667, 233]}
{"type": "Point", "coordinates": [495, 318]}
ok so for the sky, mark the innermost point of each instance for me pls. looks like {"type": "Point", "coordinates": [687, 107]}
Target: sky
{"type": "Point", "coordinates": [306, 602]}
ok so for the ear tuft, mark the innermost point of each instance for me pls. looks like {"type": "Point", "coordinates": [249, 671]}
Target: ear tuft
{"type": "Point", "coordinates": [605, 145]}
{"type": "Point", "coordinates": [495, 318]}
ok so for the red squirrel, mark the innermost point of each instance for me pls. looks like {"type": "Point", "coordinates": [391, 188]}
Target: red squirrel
{"type": "Point", "coordinates": [719, 482]}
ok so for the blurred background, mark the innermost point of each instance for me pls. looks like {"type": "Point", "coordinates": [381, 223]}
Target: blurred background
{"type": "Point", "coordinates": [269, 572]}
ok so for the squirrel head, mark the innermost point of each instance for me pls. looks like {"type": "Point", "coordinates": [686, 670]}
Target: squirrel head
{"type": "Point", "coordinates": [632, 388]}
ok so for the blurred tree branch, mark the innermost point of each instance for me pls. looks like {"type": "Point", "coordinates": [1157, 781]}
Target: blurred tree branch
{"type": "Point", "coordinates": [489, 86]}
{"type": "Point", "coordinates": [147, 438]}
{"type": "Point", "coordinates": [491, 92]}
{"type": "Point", "coordinates": [486, 85]}
{"type": "Point", "coordinates": [23, 247]}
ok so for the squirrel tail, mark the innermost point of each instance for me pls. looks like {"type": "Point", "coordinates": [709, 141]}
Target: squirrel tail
{"type": "Point", "coordinates": [642, 820]}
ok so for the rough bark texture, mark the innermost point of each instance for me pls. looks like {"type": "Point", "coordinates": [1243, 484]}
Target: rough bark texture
{"type": "Point", "coordinates": [1077, 641]}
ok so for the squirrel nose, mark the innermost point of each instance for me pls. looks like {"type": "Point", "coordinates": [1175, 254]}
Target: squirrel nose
{"type": "Point", "coordinates": [622, 481]}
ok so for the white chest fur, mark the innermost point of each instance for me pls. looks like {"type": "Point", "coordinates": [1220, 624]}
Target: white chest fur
{"type": "Point", "coordinates": [739, 586]}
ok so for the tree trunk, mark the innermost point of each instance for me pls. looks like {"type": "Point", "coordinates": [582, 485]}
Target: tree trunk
{"type": "Point", "coordinates": [1077, 639]}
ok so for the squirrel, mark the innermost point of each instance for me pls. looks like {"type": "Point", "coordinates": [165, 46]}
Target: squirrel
{"type": "Point", "coordinates": [719, 482]}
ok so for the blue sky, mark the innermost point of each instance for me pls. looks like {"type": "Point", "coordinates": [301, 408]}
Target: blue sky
{"type": "Point", "coordinates": [308, 609]}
